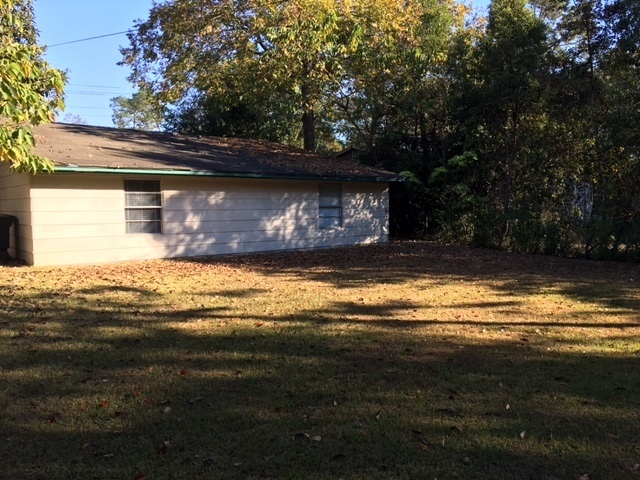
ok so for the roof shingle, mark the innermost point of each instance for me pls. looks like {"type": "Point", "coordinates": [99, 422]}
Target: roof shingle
{"type": "Point", "coordinates": [111, 148]}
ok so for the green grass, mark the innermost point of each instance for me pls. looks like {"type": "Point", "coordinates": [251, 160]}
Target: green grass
{"type": "Point", "coordinates": [409, 360]}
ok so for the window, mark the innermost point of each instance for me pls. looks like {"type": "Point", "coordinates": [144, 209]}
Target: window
{"type": "Point", "coordinates": [330, 205]}
{"type": "Point", "coordinates": [143, 206]}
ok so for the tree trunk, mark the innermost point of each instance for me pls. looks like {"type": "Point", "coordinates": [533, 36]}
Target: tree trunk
{"type": "Point", "coordinates": [309, 130]}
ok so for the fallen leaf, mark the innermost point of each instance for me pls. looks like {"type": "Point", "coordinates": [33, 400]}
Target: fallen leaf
{"type": "Point", "coordinates": [585, 477]}
{"type": "Point", "coordinates": [523, 434]}
{"type": "Point", "coordinates": [86, 445]}
{"type": "Point", "coordinates": [378, 415]}
{"type": "Point", "coordinates": [103, 404]}
{"type": "Point", "coordinates": [183, 372]}
{"type": "Point", "coordinates": [164, 447]}
{"type": "Point", "coordinates": [317, 438]}
{"type": "Point", "coordinates": [259, 324]}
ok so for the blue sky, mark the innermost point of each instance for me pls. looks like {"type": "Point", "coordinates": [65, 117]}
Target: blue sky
{"type": "Point", "coordinates": [94, 76]}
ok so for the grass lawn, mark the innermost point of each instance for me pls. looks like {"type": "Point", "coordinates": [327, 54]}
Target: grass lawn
{"type": "Point", "coordinates": [402, 361]}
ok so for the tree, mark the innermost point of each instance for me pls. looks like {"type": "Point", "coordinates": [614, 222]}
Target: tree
{"type": "Point", "coordinates": [30, 90]}
{"type": "Point", "coordinates": [498, 78]}
{"type": "Point", "coordinates": [248, 50]}
{"type": "Point", "coordinates": [395, 74]}
{"type": "Point", "coordinates": [299, 56]}
{"type": "Point", "coordinates": [140, 112]}
{"type": "Point", "coordinates": [512, 62]}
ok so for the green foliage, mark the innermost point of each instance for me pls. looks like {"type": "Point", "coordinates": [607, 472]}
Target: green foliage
{"type": "Point", "coordinates": [547, 100]}
{"type": "Point", "coordinates": [140, 112]}
{"type": "Point", "coordinates": [315, 60]}
{"type": "Point", "coordinates": [30, 91]}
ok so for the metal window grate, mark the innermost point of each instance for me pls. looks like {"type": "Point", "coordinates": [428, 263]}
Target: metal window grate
{"type": "Point", "coordinates": [143, 206]}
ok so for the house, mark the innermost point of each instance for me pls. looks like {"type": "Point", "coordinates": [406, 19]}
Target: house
{"type": "Point", "coordinates": [127, 195]}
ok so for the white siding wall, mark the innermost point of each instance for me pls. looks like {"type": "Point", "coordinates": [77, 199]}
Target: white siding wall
{"type": "Point", "coordinates": [14, 200]}
{"type": "Point", "coordinates": [80, 218]}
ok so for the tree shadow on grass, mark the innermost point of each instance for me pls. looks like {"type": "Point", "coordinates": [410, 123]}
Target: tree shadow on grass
{"type": "Point", "coordinates": [306, 401]}
{"type": "Point", "coordinates": [612, 285]}
{"type": "Point", "coordinates": [116, 381]}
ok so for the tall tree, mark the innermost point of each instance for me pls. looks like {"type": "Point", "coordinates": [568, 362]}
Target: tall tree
{"type": "Point", "coordinates": [30, 90]}
{"type": "Point", "coordinates": [253, 50]}
{"type": "Point", "coordinates": [299, 56]}
{"type": "Point", "coordinates": [396, 73]}
{"type": "Point", "coordinates": [500, 84]}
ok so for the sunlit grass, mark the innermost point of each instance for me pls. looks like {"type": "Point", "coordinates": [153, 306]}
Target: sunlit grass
{"type": "Point", "coordinates": [402, 361]}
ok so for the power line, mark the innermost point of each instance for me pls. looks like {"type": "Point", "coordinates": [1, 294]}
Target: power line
{"type": "Point", "coordinates": [97, 94]}
{"type": "Point", "coordinates": [90, 86]}
{"type": "Point", "coordinates": [91, 108]}
{"type": "Point", "coordinates": [88, 115]}
{"type": "Point", "coordinates": [89, 38]}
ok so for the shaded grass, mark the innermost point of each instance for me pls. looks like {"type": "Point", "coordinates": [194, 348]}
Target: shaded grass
{"type": "Point", "coordinates": [408, 360]}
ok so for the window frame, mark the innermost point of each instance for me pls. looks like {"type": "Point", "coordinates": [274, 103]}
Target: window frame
{"type": "Point", "coordinates": [329, 202]}
{"type": "Point", "coordinates": [159, 207]}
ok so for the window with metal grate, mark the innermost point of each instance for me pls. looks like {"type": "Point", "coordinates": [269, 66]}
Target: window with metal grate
{"type": "Point", "coordinates": [143, 206]}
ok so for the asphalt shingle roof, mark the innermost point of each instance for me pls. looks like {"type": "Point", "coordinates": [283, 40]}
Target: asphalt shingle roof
{"type": "Point", "coordinates": [103, 147]}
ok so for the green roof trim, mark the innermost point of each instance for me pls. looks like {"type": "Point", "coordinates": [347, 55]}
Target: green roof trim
{"type": "Point", "coordinates": [200, 173]}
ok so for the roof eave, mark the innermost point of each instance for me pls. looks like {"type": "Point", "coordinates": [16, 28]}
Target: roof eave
{"type": "Point", "coordinates": [206, 173]}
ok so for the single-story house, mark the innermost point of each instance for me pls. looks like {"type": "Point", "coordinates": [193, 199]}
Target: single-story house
{"type": "Point", "coordinates": [127, 195]}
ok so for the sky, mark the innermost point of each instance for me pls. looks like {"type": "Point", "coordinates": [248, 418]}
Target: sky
{"type": "Point", "coordinates": [93, 74]}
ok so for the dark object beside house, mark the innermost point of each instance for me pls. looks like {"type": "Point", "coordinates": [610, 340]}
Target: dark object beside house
{"type": "Point", "coordinates": [6, 221]}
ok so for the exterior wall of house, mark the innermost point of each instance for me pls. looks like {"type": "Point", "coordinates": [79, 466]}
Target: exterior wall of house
{"type": "Point", "coordinates": [80, 218]}
{"type": "Point", "coordinates": [14, 200]}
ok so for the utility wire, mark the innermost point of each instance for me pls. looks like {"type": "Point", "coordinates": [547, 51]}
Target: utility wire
{"type": "Point", "coordinates": [91, 86]}
{"type": "Point", "coordinates": [85, 107]}
{"type": "Point", "coordinates": [89, 38]}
